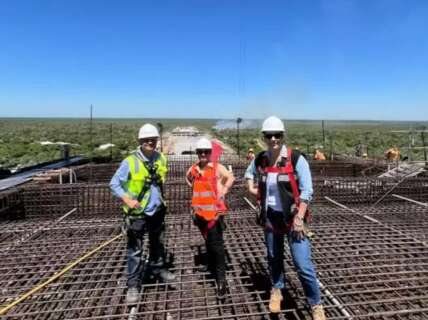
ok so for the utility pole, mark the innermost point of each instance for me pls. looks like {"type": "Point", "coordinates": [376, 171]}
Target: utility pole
{"type": "Point", "coordinates": [409, 150]}
{"type": "Point", "coordinates": [366, 142]}
{"type": "Point", "coordinates": [323, 134]}
{"type": "Point", "coordinates": [423, 145]}
{"type": "Point", "coordinates": [111, 142]}
{"type": "Point", "coordinates": [90, 131]}
{"type": "Point", "coordinates": [91, 146]}
{"type": "Point", "coordinates": [238, 121]}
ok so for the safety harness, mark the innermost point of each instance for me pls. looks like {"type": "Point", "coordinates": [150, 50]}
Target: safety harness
{"type": "Point", "coordinates": [288, 169]}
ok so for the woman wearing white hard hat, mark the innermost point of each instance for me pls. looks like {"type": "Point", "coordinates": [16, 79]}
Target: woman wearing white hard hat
{"type": "Point", "coordinates": [210, 182]}
{"type": "Point", "coordinates": [281, 179]}
{"type": "Point", "coordinates": [138, 182]}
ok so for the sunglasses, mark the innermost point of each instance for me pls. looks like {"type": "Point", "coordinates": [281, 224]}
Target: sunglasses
{"type": "Point", "coordinates": [277, 135]}
{"type": "Point", "coordinates": [147, 140]}
{"type": "Point", "coordinates": [201, 151]}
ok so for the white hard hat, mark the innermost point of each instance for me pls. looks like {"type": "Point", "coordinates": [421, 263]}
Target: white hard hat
{"type": "Point", "coordinates": [148, 131]}
{"type": "Point", "coordinates": [273, 124]}
{"type": "Point", "coordinates": [204, 143]}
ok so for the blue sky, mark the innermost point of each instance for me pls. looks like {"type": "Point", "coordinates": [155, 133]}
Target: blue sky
{"type": "Point", "coordinates": [312, 59]}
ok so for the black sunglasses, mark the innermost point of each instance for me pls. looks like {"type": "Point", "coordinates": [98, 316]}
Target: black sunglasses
{"type": "Point", "coordinates": [147, 140]}
{"type": "Point", "coordinates": [277, 135]}
{"type": "Point", "coordinates": [201, 151]}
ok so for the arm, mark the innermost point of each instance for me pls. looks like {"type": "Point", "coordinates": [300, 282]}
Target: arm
{"type": "Point", "coordinates": [250, 174]}
{"type": "Point", "coordinates": [226, 179]}
{"type": "Point", "coordinates": [189, 178]}
{"type": "Point", "coordinates": [305, 185]}
{"type": "Point", "coordinates": [116, 185]}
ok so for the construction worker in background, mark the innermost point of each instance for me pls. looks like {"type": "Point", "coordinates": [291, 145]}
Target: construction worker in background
{"type": "Point", "coordinates": [319, 156]}
{"type": "Point", "coordinates": [392, 154]}
{"type": "Point", "coordinates": [210, 182]}
{"type": "Point", "coordinates": [138, 182]}
{"type": "Point", "coordinates": [281, 180]}
{"type": "Point", "coordinates": [250, 154]}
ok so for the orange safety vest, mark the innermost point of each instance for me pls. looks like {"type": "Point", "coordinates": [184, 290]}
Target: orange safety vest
{"type": "Point", "coordinates": [204, 198]}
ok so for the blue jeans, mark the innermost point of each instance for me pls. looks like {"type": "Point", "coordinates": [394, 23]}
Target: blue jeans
{"type": "Point", "coordinates": [301, 254]}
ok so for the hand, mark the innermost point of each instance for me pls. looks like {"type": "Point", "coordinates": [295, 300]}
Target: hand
{"type": "Point", "coordinates": [219, 214]}
{"type": "Point", "coordinates": [221, 193]}
{"type": "Point", "coordinates": [132, 203]}
{"type": "Point", "coordinates": [298, 228]}
{"type": "Point", "coordinates": [193, 215]}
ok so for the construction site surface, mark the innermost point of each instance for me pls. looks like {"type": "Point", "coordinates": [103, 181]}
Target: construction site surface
{"type": "Point", "coordinates": [370, 249]}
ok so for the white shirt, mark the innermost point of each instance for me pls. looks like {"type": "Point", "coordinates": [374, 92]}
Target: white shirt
{"type": "Point", "coordinates": [273, 200]}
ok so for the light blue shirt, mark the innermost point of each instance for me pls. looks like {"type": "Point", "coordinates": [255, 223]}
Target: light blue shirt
{"type": "Point", "coordinates": [302, 170]}
{"type": "Point", "coordinates": [122, 176]}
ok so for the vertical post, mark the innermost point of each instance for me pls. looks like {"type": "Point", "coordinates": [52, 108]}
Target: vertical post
{"type": "Point", "coordinates": [409, 148]}
{"type": "Point", "coordinates": [111, 142]}
{"type": "Point", "coordinates": [238, 121]}
{"type": "Point", "coordinates": [323, 134]}
{"type": "Point", "coordinates": [423, 146]}
{"type": "Point", "coordinates": [366, 142]}
{"type": "Point", "coordinates": [91, 143]}
{"type": "Point", "coordinates": [90, 131]}
{"type": "Point", "coordinates": [331, 146]}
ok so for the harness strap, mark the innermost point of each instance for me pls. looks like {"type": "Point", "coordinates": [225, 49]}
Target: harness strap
{"type": "Point", "coordinates": [289, 170]}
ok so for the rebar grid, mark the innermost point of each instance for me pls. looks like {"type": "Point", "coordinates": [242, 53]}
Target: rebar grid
{"type": "Point", "coordinates": [11, 204]}
{"type": "Point", "coordinates": [368, 190]}
{"type": "Point", "coordinates": [178, 165]}
{"type": "Point", "coordinates": [370, 270]}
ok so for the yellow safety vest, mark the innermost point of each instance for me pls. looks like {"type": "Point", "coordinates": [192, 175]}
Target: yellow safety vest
{"type": "Point", "coordinates": [138, 185]}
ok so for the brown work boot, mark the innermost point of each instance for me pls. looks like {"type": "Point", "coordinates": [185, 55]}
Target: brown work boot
{"type": "Point", "coordinates": [275, 300]}
{"type": "Point", "coordinates": [318, 312]}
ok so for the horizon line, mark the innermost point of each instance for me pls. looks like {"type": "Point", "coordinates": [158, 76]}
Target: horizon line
{"type": "Point", "coordinates": [215, 119]}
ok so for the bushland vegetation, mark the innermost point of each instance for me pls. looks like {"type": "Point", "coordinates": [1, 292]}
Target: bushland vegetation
{"type": "Point", "coordinates": [340, 138]}
{"type": "Point", "coordinates": [20, 139]}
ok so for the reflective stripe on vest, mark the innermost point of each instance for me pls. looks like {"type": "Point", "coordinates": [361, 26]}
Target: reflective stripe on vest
{"type": "Point", "coordinates": [203, 194]}
{"type": "Point", "coordinates": [138, 186]}
{"type": "Point", "coordinates": [285, 178]}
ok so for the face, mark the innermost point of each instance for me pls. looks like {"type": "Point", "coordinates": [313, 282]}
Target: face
{"type": "Point", "coordinates": [273, 139]}
{"type": "Point", "coordinates": [204, 154]}
{"type": "Point", "coordinates": [148, 144]}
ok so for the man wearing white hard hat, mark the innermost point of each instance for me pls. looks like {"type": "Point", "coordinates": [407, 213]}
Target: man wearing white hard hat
{"type": "Point", "coordinates": [138, 182]}
{"type": "Point", "coordinates": [281, 179]}
{"type": "Point", "coordinates": [210, 182]}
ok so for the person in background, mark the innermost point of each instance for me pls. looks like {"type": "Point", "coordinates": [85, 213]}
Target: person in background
{"type": "Point", "coordinates": [138, 182]}
{"type": "Point", "coordinates": [210, 182]}
{"type": "Point", "coordinates": [318, 155]}
{"type": "Point", "coordinates": [250, 154]}
{"type": "Point", "coordinates": [281, 179]}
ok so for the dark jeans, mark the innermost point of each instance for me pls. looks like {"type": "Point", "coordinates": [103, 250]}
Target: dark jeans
{"type": "Point", "coordinates": [215, 247]}
{"type": "Point", "coordinates": [155, 227]}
